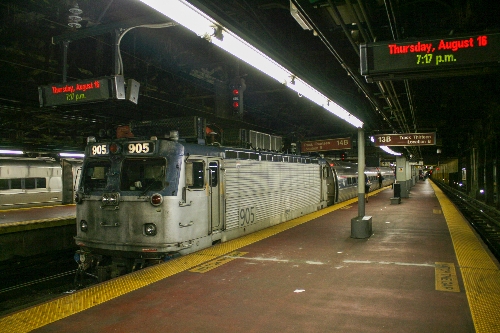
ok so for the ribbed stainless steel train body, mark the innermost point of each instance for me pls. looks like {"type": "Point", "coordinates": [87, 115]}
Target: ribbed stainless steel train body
{"type": "Point", "coordinates": [345, 179]}
{"type": "Point", "coordinates": [28, 182]}
{"type": "Point", "coordinates": [142, 201]}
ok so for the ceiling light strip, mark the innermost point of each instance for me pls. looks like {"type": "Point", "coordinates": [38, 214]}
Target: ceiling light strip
{"type": "Point", "coordinates": [203, 25]}
{"type": "Point", "coordinates": [11, 152]}
{"type": "Point", "coordinates": [390, 151]}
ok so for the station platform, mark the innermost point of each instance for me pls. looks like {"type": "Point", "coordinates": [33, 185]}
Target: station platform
{"type": "Point", "coordinates": [25, 215]}
{"type": "Point", "coordinates": [422, 270]}
{"type": "Point", "coordinates": [32, 231]}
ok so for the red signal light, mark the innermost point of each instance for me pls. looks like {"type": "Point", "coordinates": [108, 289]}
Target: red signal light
{"type": "Point", "coordinates": [114, 148]}
{"type": "Point", "coordinates": [236, 98]}
{"type": "Point", "coordinates": [156, 199]}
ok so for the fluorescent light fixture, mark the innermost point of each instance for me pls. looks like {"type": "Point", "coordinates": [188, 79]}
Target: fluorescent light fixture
{"type": "Point", "coordinates": [390, 151]}
{"type": "Point", "coordinates": [301, 20]}
{"type": "Point", "coordinates": [11, 152]}
{"type": "Point", "coordinates": [71, 155]}
{"type": "Point", "coordinates": [203, 25]}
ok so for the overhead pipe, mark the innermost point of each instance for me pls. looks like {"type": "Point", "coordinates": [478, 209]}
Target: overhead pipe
{"type": "Point", "coordinates": [365, 16]}
{"type": "Point", "coordinates": [390, 20]}
{"type": "Point", "coordinates": [337, 16]}
{"type": "Point", "coordinates": [410, 103]}
{"type": "Point", "coordinates": [394, 18]}
{"type": "Point", "coordinates": [391, 99]}
{"type": "Point", "coordinates": [395, 107]}
{"type": "Point", "coordinates": [361, 85]}
{"type": "Point", "coordinates": [367, 38]}
{"type": "Point", "coordinates": [398, 105]}
{"type": "Point", "coordinates": [357, 21]}
{"type": "Point", "coordinates": [332, 50]}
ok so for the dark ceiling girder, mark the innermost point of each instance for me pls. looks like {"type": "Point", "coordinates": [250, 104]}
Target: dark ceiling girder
{"type": "Point", "coordinates": [105, 28]}
{"type": "Point", "coordinates": [354, 75]}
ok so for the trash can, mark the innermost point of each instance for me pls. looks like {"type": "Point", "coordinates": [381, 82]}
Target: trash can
{"type": "Point", "coordinates": [397, 190]}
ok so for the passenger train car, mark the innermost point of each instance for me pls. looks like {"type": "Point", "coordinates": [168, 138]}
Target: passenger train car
{"type": "Point", "coordinates": [143, 201]}
{"type": "Point", "coordinates": [29, 182]}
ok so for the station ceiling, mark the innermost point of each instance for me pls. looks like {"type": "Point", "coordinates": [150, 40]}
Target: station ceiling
{"type": "Point", "coordinates": [183, 75]}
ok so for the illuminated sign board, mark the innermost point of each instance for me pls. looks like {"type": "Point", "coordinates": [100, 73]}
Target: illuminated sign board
{"type": "Point", "coordinates": [405, 139]}
{"type": "Point", "coordinates": [429, 55]}
{"type": "Point", "coordinates": [84, 91]}
{"type": "Point", "coordinates": [324, 145]}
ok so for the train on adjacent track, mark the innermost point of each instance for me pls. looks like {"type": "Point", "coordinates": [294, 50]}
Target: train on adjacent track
{"type": "Point", "coordinates": [144, 201]}
{"type": "Point", "coordinates": [33, 182]}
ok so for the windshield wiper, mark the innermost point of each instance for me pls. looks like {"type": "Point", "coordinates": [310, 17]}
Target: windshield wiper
{"type": "Point", "coordinates": [149, 186]}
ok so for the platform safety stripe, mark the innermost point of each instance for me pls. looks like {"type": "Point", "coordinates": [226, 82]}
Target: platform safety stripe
{"type": "Point", "coordinates": [480, 274]}
{"type": "Point", "coordinates": [44, 314]}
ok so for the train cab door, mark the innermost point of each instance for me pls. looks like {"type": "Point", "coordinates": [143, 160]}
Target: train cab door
{"type": "Point", "coordinates": [331, 184]}
{"type": "Point", "coordinates": [335, 187]}
{"type": "Point", "coordinates": [215, 188]}
{"type": "Point", "coordinates": [68, 194]}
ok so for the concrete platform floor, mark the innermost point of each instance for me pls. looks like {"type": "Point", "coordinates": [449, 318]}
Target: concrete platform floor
{"type": "Point", "coordinates": [311, 278]}
{"type": "Point", "coordinates": [36, 213]}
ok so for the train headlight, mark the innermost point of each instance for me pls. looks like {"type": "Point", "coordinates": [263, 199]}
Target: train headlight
{"type": "Point", "coordinates": [84, 226]}
{"type": "Point", "coordinates": [156, 199]}
{"type": "Point", "coordinates": [150, 229]}
{"type": "Point", "coordinates": [111, 199]}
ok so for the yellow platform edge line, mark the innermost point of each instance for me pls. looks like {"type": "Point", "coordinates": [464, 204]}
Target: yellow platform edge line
{"type": "Point", "coordinates": [34, 207]}
{"type": "Point", "coordinates": [46, 313]}
{"type": "Point", "coordinates": [481, 276]}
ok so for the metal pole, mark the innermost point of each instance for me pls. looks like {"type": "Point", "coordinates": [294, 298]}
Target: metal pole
{"type": "Point", "coordinates": [361, 225]}
{"type": "Point", "coordinates": [65, 61]}
{"type": "Point", "coordinates": [361, 172]}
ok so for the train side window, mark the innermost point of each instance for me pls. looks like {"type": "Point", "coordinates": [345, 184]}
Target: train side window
{"type": "Point", "coordinates": [214, 173]}
{"type": "Point", "coordinates": [16, 183]}
{"type": "Point", "coordinates": [30, 183]}
{"type": "Point", "coordinates": [41, 183]}
{"type": "Point", "coordinates": [4, 184]}
{"type": "Point", "coordinates": [195, 177]}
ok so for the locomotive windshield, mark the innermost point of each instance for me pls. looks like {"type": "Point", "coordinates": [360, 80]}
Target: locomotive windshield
{"type": "Point", "coordinates": [143, 174]}
{"type": "Point", "coordinates": [95, 177]}
{"type": "Point", "coordinates": [137, 174]}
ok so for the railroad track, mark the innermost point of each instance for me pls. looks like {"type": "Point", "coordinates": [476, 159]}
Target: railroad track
{"type": "Point", "coordinates": [25, 282]}
{"type": "Point", "coordinates": [483, 218]}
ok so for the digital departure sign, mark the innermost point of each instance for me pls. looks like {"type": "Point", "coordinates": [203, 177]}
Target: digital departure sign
{"type": "Point", "coordinates": [84, 91]}
{"type": "Point", "coordinates": [429, 55]}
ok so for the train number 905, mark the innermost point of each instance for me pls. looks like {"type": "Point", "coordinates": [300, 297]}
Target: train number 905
{"type": "Point", "coordinates": [139, 148]}
{"type": "Point", "coordinates": [247, 215]}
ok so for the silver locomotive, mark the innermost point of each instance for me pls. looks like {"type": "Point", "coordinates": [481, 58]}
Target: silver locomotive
{"type": "Point", "coordinates": [141, 202]}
